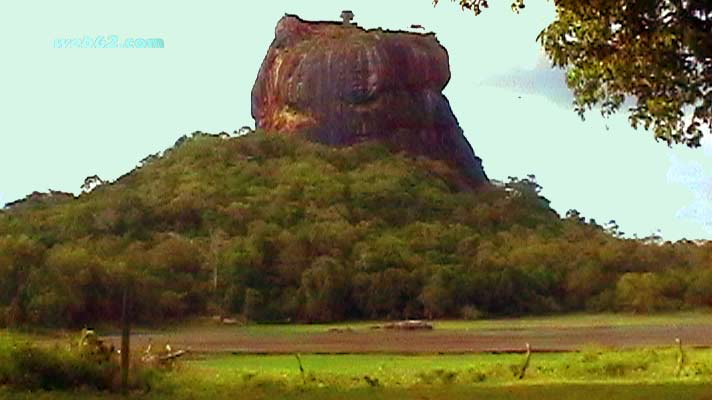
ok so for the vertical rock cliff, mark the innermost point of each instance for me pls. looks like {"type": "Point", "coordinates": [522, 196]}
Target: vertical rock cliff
{"type": "Point", "coordinates": [339, 84]}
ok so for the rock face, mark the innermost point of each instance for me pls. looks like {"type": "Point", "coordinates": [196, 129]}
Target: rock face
{"type": "Point", "coordinates": [339, 84]}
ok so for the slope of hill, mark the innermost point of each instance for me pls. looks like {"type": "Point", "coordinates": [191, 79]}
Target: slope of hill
{"type": "Point", "coordinates": [280, 228]}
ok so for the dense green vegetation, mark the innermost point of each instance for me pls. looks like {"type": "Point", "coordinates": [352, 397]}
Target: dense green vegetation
{"type": "Point", "coordinates": [25, 365]}
{"type": "Point", "coordinates": [277, 228]}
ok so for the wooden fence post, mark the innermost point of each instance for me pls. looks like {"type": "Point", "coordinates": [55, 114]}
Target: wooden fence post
{"type": "Point", "coordinates": [125, 338]}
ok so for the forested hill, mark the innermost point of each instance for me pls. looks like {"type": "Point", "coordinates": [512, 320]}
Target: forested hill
{"type": "Point", "coordinates": [279, 228]}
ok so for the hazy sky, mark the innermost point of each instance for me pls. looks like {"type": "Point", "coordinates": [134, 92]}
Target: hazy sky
{"type": "Point", "coordinates": [69, 113]}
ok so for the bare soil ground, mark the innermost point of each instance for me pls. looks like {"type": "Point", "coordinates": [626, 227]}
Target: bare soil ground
{"type": "Point", "coordinates": [214, 339]}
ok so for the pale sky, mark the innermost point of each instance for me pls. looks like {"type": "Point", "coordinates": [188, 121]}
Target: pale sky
{"type": "Point", "coordinates": [69, 113]}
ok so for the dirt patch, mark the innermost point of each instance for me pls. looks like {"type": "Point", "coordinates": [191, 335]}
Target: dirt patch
{"type": "Point", "coordinates": [236, 339]}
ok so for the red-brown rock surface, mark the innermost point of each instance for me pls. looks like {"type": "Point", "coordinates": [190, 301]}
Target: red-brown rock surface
{"type": "Point", "coordinates": [340, 84]}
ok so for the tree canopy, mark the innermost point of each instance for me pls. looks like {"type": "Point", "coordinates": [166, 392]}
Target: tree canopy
{"type": "Point", "coordinates": [655, 53]}
{"type": "Point", "coordinates": [275, 228]}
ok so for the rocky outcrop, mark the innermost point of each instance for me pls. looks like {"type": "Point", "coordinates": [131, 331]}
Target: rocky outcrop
{"type": "Point", "coordinates": [339, 84]}
{"type": "Point", "coordinates": [35, 198]}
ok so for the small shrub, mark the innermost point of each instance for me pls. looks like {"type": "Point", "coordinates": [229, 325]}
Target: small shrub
{"type": "Point", "coordinates": [425, 377]}
{"type": "Point", "coordinates": [471, 313]}
{"type": "Point", "coordinates": [589, 357]}
{"type": "Point", "coordinates": [590, 354]}
{"type": "Point", "coordinates": [515, 369]}
{"type": "Point", "coordinates": [437, 376]}
{"type": "Point", "coordinates": [248, 376]}
{"type": "Point", "coordinates": [617, 368]}
{"type": "Point", "coordinates": [447, 376]}
{"type": "Point", "coordinates": [373, 382]}
{"type": "Point", "coordinates": [698, 369]}
{"type": "Point", "coordinates": [477, 376]}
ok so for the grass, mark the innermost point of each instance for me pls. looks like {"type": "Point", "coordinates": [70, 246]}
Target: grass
{"type": "Point", "coordinates": [590, 374]}
{"type": "Point", "coordinates": [590, 365]}
{"type": "Point", "coordinates": [579, 320]}
{"type": "Point", "coordinates": [594, 373]}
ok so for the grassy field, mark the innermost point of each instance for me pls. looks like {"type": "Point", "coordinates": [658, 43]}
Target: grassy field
{"type": "Point", "coordinates": [351, 371]}
{"type": "Point", "coordinates": [593, 372]}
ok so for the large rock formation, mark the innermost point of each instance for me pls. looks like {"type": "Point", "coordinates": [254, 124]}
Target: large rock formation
{"type": "Point", "coordinates": [339, 84]}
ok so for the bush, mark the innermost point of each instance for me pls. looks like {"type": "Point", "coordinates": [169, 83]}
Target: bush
{"type": "Point", "coordinates": [643, 292]}
{"type": "Point", "coordinates": [471, 313]}
{"type": "Point", "coordinates": [436, 376]}
{"type": "Point", "coordinates": [602, 366]}
{"type": "Point", "coordinates": [25, 366]}
{"type": "Point", "coordinates": [28, 367]}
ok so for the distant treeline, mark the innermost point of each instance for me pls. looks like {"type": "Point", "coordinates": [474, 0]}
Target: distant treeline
{"type": "Point", "coordinates": [277, 228]}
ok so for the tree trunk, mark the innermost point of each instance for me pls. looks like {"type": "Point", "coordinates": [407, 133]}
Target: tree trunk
{"type": "Point", "coordinates": [215, 277]}
{"type": "Point", "coordinates": [125, 336]}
